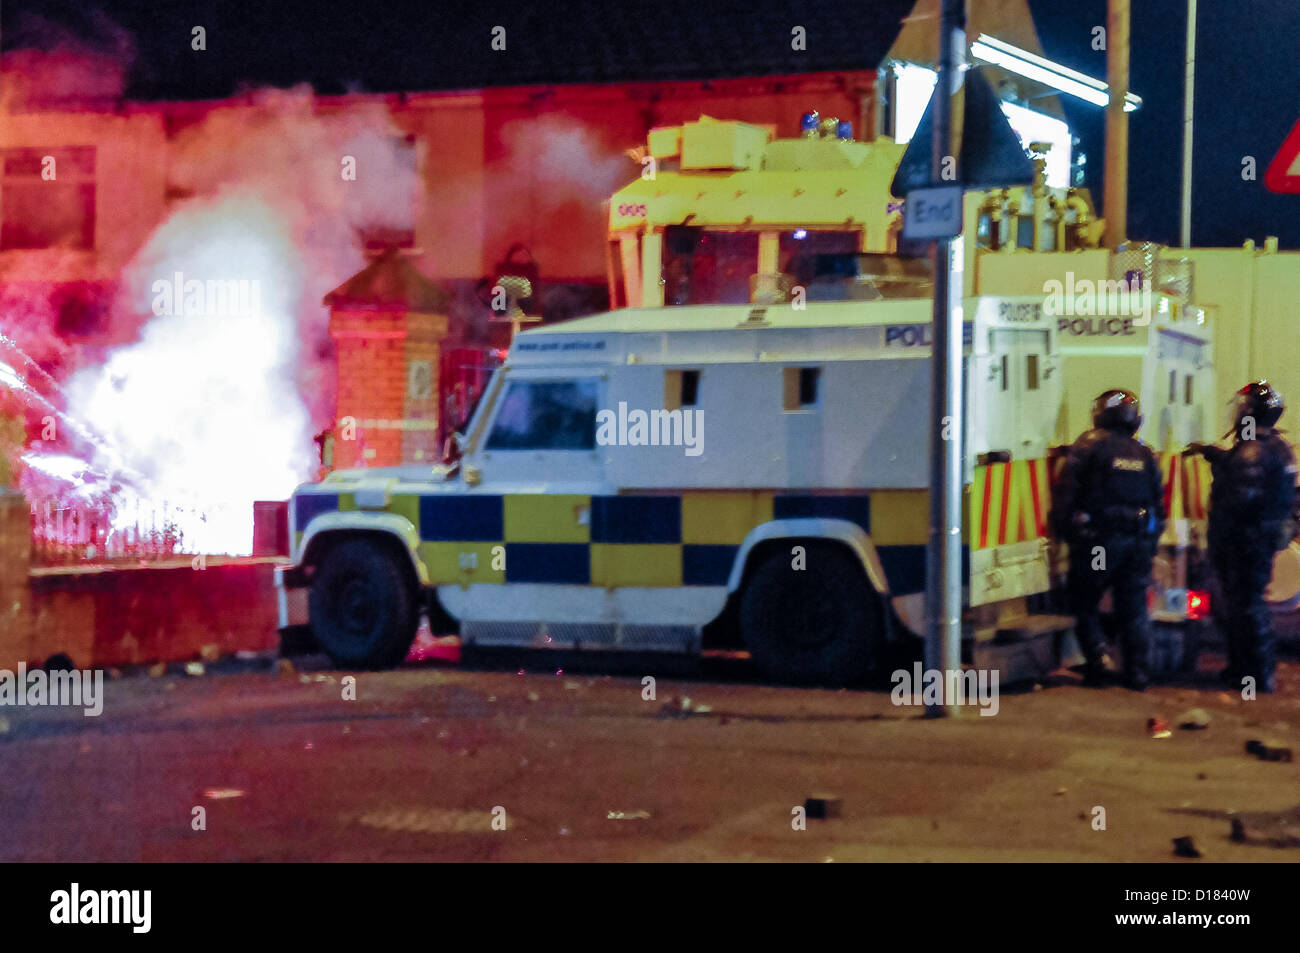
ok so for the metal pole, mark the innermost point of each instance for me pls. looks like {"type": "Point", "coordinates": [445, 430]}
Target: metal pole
{"type": "Point", "coordinates": [1189, 91]}
{"type": "Point", "coordinates": [1115, 206]}
{"type": "Point", "coordinates": [943, 555]}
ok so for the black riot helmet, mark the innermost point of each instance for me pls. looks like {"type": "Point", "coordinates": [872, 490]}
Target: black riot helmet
{"type": "Point", "coordinates": [1117, 409]}
{"type": "Point", "coordinates": [1261, 402]}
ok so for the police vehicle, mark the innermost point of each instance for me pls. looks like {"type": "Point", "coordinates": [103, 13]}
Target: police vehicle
{"type": "Point", "coordinates": [650, 477]}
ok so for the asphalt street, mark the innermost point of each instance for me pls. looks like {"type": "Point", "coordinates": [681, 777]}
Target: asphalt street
{"type": "Point", "coordinates": [434, 762]}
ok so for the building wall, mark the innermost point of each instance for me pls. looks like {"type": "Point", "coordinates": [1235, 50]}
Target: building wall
{"type": "Point", "coordinates": [130, 189]}
{"type": "Point", "coordinates": [521, 164]}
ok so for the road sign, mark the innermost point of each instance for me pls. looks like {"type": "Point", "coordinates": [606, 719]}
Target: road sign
{"type": "Point", "coordinates": [1283, 173]}
{"type": "Point", "coordinates": [933, 213]}
{"type": "Point", "coordinates": [989, 153]}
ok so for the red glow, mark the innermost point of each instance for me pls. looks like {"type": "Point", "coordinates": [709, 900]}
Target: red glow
{"type": "Point", "coordinates": [1198, 604]}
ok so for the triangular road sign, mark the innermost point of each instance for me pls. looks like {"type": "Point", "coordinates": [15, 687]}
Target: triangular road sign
{"type": "Point", "coordinates": [989, 153]}
{"type": "Point", "coordinates": [1283, 173]}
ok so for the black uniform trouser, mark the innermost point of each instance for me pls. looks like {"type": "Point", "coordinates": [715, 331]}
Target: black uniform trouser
{"type": "Point", "coordinates": [1243, 567]}
{"type": "Point", "coordinates": [1122, 563]}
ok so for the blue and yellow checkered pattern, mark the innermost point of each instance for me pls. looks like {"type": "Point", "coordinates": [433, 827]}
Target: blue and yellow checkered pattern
{"type": "Point", "coordinates": [651, 540]}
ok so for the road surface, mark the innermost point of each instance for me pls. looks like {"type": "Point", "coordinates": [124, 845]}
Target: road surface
{"type": "Point", "coordinates": [430, 763]}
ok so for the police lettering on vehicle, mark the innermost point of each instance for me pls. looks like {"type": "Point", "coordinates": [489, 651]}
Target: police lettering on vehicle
{"type": "Point", "coordinates": [1081, 327]}
{"type": "Point", "coordinates": [918, 335]}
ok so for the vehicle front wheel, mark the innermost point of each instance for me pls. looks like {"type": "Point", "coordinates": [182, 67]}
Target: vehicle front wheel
{"type": "Point", "coordinates": [364, 610]}
{"type": "Point", "coordinates": [819, 624]}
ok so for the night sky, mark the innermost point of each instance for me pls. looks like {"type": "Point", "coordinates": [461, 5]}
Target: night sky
{"type": "Point", "coordinates": [1247, 99]}
{"type": "Point", "coordinates": [1248, 70]}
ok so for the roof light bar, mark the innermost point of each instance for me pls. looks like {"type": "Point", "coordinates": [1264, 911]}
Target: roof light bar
{"type": "Point", "coordinates": [995, 51]}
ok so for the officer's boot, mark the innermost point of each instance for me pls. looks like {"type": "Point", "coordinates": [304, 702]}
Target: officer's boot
{"type": "Point", "coordinates": [1231, 675]}
{"type": "Point", "coordinates": [1228, 616]}
{"type": "Point", "coordinates": [1131, 608]}
{"type": "Point", "coordinates": [1260, 660]}
{"type": "Point", "coordinates": [1093, 646]}
{"type": "Point", "coordinates": [1137, 653]}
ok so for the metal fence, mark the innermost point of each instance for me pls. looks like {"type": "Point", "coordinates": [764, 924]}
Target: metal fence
{"type": "Point", "coordinates": [70, 533]}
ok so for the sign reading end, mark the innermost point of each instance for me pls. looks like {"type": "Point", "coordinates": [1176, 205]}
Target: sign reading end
{"type": "Point", "coordinates": [933, 213]}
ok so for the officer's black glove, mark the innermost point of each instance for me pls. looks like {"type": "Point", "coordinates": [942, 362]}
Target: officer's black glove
{"type": "Point", "coordinates": [1193, 449]}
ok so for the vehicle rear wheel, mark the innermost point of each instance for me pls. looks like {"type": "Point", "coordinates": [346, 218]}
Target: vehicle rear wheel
{"type": "Point", "coordinates": [818, 625]}
{"type": "Point", "coordinates": [364, 611]}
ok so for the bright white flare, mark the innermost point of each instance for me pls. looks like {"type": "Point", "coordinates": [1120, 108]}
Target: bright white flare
{"type": "Point", "coordinates": [206, 406]}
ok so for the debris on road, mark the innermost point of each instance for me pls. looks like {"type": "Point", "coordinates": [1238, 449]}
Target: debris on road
{"type": "Point", "coordinates": [627, 816]}
{"type": "Point", "coordinates": [284, 668]}
{"type": "Point", "coordinates": [1185, 847]}
{"type": "Point", "coordinates": [1268, 751]}
{"type": "Point", "coordinates": [684, 707]}
{"type": "Point", "coordinates": [158, 670]}
{"type": "Point", "coordinates": [194, 668]}
{"type": "Point", "coordinates": [1194, 719]}
{"type": "Point", "coordinates": [1158, 728]}
{"type": "Point", "coordinates": [1272, 829]}
{"type": "Point", "coordinates": [429, 821]}
{"type": "Point", "coordinates": [428, 647]}
{"type": "Point", "coordinates": [821, 807]}
{"type": "Point", "coordinates": [221, 794]}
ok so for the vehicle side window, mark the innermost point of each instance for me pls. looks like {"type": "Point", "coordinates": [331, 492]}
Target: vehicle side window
{"type": "Point", "coordinates": [546, 415]}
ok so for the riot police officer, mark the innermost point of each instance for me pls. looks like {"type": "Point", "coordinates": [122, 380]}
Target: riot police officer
{"type": "Point", "coordinates": [1251, 501]}
{"type": "Point", "coordinates": [1108, 505]}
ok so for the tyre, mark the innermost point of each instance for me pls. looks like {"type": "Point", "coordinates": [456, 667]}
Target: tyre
{"type": "Point", "coordinates": [822, 624]}
{"type": "Point", "coordinates": [364, 611]}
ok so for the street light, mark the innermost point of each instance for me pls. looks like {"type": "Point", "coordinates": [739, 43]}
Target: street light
{"type": "Point", "coordinates": [1042, 70]}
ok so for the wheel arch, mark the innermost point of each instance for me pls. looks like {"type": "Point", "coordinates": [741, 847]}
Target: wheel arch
{"type": "Point", "coordinates": [763, 538]}
{"type": "Point", "coordinates": [394, 532]}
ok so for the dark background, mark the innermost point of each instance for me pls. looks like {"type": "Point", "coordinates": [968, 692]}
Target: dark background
{"type": "Point", "coordinates": [1247, 96]}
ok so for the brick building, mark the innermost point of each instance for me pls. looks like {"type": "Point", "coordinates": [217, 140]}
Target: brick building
{"type": "Point", "coordinates": [389, 326]}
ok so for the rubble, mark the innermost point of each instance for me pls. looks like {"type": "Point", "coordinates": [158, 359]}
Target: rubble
{"type": "Point", "coordinates": [1158, 728]}
{"type": "Point", "coordinates": [1272, 829]}
{"type": "Point", "coordinates": [1194, 719]}
{"type": "Point", "coordinates": [1268, 751]}
{"type": "Point", "coordinates": [822, 807]}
